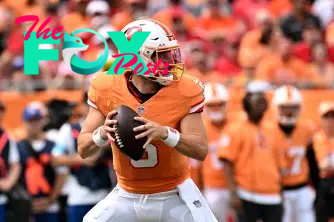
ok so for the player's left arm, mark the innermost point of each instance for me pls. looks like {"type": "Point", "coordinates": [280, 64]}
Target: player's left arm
{"type": "Point", "coordinates": [193, 138]}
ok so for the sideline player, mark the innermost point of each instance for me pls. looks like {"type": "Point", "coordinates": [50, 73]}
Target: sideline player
{"type": "Point", "coordinates": [41, 180]}
{"type": "Point", "coordinates": [88, 180]}
{"type": "Point", "coordinates": [215, 121]}
{"type": "Point", "coordinates": [157, 188]}
{"type": "Point", "coordinates": [253, 161]}
{"type": "Point", "coordinates": [298, 195]}
{"type": "Point", "coordinates": [322, 150]}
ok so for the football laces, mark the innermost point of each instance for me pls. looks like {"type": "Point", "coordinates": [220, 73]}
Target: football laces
{"type": "Point", "coordinates": [118, 138]}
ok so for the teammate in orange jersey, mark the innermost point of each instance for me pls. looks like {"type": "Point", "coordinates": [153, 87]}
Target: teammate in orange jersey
{"type": "Point", "coordinates": [158, 187]}
{"type": "Point", "coordinates": [253, 162]}
{"type": "Point", "coordinates": [298, 196]}
{"type": "Point", "coordinates": [215, 189]}
{"type": "Point", "coordinates": [322, 150]}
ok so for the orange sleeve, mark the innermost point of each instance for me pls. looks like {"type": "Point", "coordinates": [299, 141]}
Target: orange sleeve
{"type": "Point", "coordinates": [197, 100]}
{"type": "Point", "coordinates": [92, 93]}
{"type": "Point", "coordinates": [229, 146]}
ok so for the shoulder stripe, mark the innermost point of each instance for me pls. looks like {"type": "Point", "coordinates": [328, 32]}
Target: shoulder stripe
{"type": "Point", "coordinates": [197, 107]}
{"type": "Point", "coordinates": [91, 103]}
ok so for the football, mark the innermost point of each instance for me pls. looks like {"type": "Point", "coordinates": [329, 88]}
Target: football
{"type": "Point", "coordinates": [125, 136]}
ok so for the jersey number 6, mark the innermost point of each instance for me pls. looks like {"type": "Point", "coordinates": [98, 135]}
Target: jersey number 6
{"type": "Point", "coordinates": [151, 159]}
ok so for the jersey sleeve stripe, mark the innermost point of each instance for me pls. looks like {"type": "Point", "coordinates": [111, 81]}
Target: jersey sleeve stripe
{"type": "Point", "coordinates": [197, 108]}
{"type": "Point", "coordinates": [91, 103]}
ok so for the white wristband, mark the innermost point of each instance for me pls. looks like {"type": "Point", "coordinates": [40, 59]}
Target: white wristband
{"type": "Point", "coordinates": [173, 137]}
{"type": "Point", "coordinates": [97, 138]}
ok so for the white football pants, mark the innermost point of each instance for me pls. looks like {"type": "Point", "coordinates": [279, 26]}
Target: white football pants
{"type": "Point", "coordinates": [298, 205]}
{"type": "Point", "coordinates": [184, 204]}
{"type": "Point", "coordinates": [219, 202]}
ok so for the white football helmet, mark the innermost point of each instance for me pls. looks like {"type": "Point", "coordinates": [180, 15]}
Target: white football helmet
{"type": "Point", "coordinates": [160, 44]}
{"type": "Point", "coordinates": [216, 97]}
{"type": "Point", "coordinates": [287, 102]}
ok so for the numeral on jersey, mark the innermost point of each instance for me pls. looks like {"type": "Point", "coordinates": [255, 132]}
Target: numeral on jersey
{"type": "Point", "coordinates": [216, 163]}
{"type": "Point", "coordinates": [297, 153]}
{"type": "Point", "coordinates": [151, 159]}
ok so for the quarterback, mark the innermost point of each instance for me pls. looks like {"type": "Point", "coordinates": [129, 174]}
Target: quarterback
{"type": "Point", "coordinates": [157, 187]}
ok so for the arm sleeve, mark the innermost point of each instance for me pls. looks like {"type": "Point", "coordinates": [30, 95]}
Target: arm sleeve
{"type": "Point", "coordinates": [14, 156]}
{"type": "Point", "coordinates": [92, 97]}
{"type": "Point", "coordinates": [58, 150]}
{"type": "Point", "coordinates": [313, 166]}
{"type": "Point", "coordinates": [197, 101]}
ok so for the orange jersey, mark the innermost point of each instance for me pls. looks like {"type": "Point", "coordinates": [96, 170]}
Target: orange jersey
{"type": "Point", "coordinates": [163, 167]}
{"type": "Point", "coordinates": [212, 167]}
{"type": "Point", "coordinates": [324, 152]}
{"type": "Point", "coordinates": [256, 156]}
{"type": "Point", "coordinates": [295, 153]}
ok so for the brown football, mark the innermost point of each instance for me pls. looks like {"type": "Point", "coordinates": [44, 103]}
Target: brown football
{"type": "Point", "coordinates": [125, 136]}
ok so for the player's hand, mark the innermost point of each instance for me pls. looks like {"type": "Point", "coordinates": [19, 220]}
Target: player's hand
{"type": "Point", "coordinates": [40, 205]}
{"type": "Point", "coordinates": [108, 127]}
{"type": "Point", "coordinates": [150, 129]}
{"type": "Point", "coordinates": [236, 202]}
{"type": "Point", "coordinates": [5, 185]}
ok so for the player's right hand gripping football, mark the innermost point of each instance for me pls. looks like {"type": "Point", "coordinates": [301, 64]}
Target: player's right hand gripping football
{"type": "Point", "coordinates": [108, 127]}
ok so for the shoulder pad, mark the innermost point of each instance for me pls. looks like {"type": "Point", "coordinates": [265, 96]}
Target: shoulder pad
{"type": "Point", "coordinates": [102, 81]}
{"type": "Point", "coordinates": [190, 86]}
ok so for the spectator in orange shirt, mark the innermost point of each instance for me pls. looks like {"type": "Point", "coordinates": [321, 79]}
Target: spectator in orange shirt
{"type": "Point", "coordinates": [215, 22]}
{"type": "Point", "coordinates": [75, 18]}
{"type": "Point", "coordinates": [201, 62]}
{"type": "Point", "coordinates": [133, 10]}
{"type": "Point", "coordinates": [228, 65]}
{"type": "Point", "coordinates": [257, 43]}
{"type": "Point", "coordinates": [282, 67]}
{"type": "Point", "coordinates": [321, 65]}
{"type": "Point", "coordinates": [178, 19]}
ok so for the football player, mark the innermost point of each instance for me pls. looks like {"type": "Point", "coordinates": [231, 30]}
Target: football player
{"type": "Point", "coordinates": [322, 149]}
{"type": "Point", "coordinates": [157, 187]}
{"type": "Point", "coordinates": [88, 181]}
{"type": "Point", "coordinates": [253, 161]}
{"type": "Point", "coordinates": [215, 121]}
{"type": "Point", "coordinates": [298, 196]}
{"type": "Point", "coordinates": [40, 179]}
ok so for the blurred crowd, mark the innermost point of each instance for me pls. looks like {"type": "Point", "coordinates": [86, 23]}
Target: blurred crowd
{"type": "Point", "coordinates": [232, 41]}
{"type": "Point", "coordinates": [42, 177]}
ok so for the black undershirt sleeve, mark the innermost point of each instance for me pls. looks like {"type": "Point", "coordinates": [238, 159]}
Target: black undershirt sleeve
{"type": "Point", "coordinates": [313, 165]}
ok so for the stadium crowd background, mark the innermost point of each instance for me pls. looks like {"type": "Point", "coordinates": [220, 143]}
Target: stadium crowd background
{"type": "Point", "coordinates": [232, 42]}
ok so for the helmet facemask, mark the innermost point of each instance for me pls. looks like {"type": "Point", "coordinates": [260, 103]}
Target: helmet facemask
{"type": "Point", "coordinates": [157, 59]}
{"type": "Point", "coordinates": [288, 114]}
{"type": "Point", "coordinates": [216, 111]}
